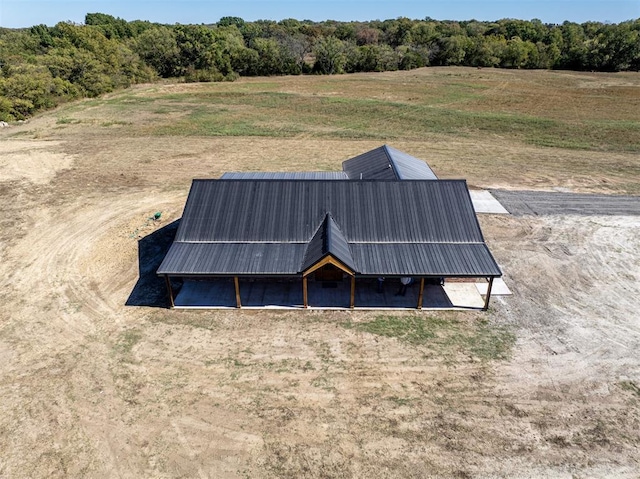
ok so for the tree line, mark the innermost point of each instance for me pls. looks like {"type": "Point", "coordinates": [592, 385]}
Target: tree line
{"type": "Point", "coordinates": [42, 66]}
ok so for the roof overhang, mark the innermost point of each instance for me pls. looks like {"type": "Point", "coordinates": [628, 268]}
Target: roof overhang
{"type": "Point", "coordinates": [328, 259]}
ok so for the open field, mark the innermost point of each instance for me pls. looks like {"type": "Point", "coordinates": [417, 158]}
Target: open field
{"type": "Point", "coordinates": [546, 384]}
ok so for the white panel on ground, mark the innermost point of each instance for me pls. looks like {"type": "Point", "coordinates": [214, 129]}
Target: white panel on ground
{"type": "Point", "coordinates": [499, 288]}
{"type": "Point", "coordinates": [484, 202]}
{"type": "Point", "coordinates": [464, 295]}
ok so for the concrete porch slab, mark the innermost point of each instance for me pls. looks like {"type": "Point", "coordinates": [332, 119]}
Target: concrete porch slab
{"type": "Point", "coordinates": [220, 294]}
{"type": "Point", "coordinates": [499, 288]}
{"type": "Point", "coordinates": [484, 202]}
{"type": "Point", "coordinates": [464, 294]}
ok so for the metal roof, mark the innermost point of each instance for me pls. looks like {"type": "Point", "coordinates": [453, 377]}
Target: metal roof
{"type": "Point", "coordinates": [213, 259]}
{"type": "Point", "coordinates": [425, 259]}
{"type": "Point", "coordinates": [284, 175]}
{"type": "Point", "coordinates": [376, 227]}
{"type": "Point", "coordinates": [387, 163]}
{"type": "Point", "coordinates": [328, 240]}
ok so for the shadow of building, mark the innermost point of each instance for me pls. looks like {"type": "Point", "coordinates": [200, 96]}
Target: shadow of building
{"type": "Point", "coordinates": [150, 290]}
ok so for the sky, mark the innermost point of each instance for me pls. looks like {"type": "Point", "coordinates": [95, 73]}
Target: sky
{"type": "Point", "coordinates": [25, 13]}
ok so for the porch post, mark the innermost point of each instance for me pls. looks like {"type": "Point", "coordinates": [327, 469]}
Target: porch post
{"type": "Point", "coordinates": [237, 285]}
{"type": "Point", "coordinates": [420, 295]}
{"type": "Point", "coordinates": [304, 292]}
{"type": "Point", "coordinates": [486, 301]}
{"type": "Point", "coordinates": [353, 292]}
{"type": "Point", "coordinates": [169, 290]}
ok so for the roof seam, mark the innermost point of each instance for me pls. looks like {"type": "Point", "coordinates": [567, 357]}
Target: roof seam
{"type": "Point", "coordinates": [348, 242]}
{"type": "Point", "coordinates": [417, 242]}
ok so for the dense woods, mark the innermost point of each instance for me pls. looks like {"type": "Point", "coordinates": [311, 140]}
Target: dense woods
{"type": "Point", "coordinates": [42, 66]}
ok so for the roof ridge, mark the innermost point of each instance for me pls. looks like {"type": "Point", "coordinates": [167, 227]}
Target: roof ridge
{"type": "Point", "coordinates": [392, 162]}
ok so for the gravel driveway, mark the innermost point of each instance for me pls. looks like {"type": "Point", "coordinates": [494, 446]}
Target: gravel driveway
{"type": "Point", "coordinates": [521, 203]}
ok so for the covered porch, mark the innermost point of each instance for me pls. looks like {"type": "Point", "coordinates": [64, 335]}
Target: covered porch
{"type": "Point", "coordinates": [347, 293]}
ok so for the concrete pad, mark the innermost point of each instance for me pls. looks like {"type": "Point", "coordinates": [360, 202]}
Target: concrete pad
{"type": "Point", "coordinates": [220, 294]}
{"type": "Point", "coordinates": [499, 288]}
{"type": "Point", "coordinates": [464, 295]}
{"type": "Point", "coordinates": [206, 295]}
{"type": "Point", "coordinates": [484, 202]}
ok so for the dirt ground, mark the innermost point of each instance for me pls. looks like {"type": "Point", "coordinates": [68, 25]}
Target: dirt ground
{"type": "Point", "coordinates": [92, 387]}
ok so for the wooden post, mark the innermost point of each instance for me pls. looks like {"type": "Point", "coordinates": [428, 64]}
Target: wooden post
{"type": "Point", "coordinates": [353, 292]}
{"type": "Point", "coordinates": [420, 295]}
{"type": "Point", "coordinates": [169, 290]}
{"type": "Point", "coordinates": [304, 292]}
{"type": "Point", "coordinates": [237, 285]}
{"type": "Point", "coordinates": [486, 301]}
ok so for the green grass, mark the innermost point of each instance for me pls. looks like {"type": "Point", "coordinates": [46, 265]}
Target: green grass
{"type": "Point", "coordinates": [385, 108]}
{"type": "Point", "coordinates": [408, 107]}
{"type": "Point", "coordinates": [444, 336]}
{"type": "Point", "coordinates": [115, 123]}
{"type": "Point", "coordinates": [127, 340]}
{"type": "Point", "coordinates": [278, 114]}
{"type": "Point", "coordinates": [630, 386]}
{"type": "Point", "coordinates": [67, 121]}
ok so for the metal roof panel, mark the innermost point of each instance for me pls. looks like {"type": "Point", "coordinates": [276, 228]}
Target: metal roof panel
{"type": "Point", "coordinates": [285, 175]}
{"type": "Point", "coordinates": [376, 227]}
{"type": "Point", "coordinates": [387, 163]}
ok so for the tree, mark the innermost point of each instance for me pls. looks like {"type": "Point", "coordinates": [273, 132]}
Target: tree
{"type": "Point", "coordinates": [272, 60]}
{"type": "Point", "coordinates": [519, 54]}
{"type": "Point", "coordinates": [398, 32]}
{"type": "Point", "coordinates": [375, 58]}
{"type": "Point", "coordinates": [228, 21]}
{"type": "Point", "coordinates": [451, 50]}
{"type": "Point", "coordinates": [203, 48]}
{"type": "Point", "coordinates": [159, 49]}
{"type": "Point", "coordinates": [297, 46]}
{"type": "Point", "coordinates": [411, 58]}
{"type": "Point", "coordinates": [615, 48]}
{"type": "Point", "coordinates": [368, 36]}
{"type": "Point", "coordinates": [424, 33]}
{"type": "Point", "coordinates": [346, 32]}
{"type": "Point", "coordinates": [110, 26]}
{"type": "Point", "coordinates": [329, 53]}
{"type": "Point", "coordinates": [574, 50]}
{"type": "Point", "coordinates": [486, 51]}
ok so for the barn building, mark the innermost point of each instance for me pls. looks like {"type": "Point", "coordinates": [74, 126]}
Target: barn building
{"type": "Point", "coordinates": [386, 215]}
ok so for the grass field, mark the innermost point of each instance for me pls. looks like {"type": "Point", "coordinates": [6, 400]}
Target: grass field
{"type": "Point", "coordinates": [545, 384]}
{"type": "Point", "coordinates": [491, 124]}
{"type": "Point", "coordinates": [580, 114]}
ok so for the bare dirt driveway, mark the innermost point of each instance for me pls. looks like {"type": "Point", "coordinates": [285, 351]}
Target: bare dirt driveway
{"type": "Point", "coordinates": [546, 384]}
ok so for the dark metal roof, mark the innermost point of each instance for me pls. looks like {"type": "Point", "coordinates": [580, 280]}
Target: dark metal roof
{"type": "Point", "coordinates": [233, 258]}
{"type": "Point", "coordinates": [290, 211]}
{"type": "Point", "coordinates": [281, 175]}
{"type": "Point", "coordinates": [368, 221]}
{"type": "Point", "coordinates": [425, 259]}
{"type": "Point", "coordinates": [328, 240]}
{"type": "Point", "coordinates": [387, 163]}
